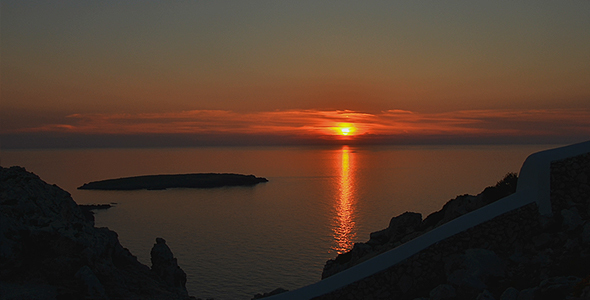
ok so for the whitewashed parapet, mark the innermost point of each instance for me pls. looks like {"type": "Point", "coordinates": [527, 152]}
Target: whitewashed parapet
{"type": "Point", "coordinates": [535, 176]}
{"type": "Point", "coordinates": [533, 186]}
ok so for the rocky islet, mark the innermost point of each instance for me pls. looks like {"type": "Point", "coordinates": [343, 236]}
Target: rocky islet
{"type": "Point", "coordinates": [162, 182]}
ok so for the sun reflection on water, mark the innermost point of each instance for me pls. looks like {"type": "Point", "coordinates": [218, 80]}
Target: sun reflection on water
{"type": "Point", "coordinates": [344, 224]}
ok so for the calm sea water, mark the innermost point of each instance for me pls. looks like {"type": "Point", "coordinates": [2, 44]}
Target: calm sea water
{"type": "Point", "coordinates": [238, 241]}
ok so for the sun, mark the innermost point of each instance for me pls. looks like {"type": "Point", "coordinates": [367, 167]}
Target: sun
{"type": "Point", "coordinates": [346, 129]}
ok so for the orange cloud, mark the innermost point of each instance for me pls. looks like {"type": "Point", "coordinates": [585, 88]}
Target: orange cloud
{"type": "Point", "coordinates": [320, 123]}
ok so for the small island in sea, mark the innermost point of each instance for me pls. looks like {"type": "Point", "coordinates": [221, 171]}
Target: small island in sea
{"type": "Point", "coordinates": [162, 182]}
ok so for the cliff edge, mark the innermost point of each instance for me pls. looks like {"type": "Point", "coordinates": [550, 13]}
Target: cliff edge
{"type": "Point", "coordinates": [50, 249]}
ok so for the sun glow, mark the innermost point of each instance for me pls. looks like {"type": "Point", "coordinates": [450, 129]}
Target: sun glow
{"type": "Point", "coordinates": [346, 129]}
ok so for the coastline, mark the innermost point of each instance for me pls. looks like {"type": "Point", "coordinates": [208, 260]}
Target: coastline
{"type": "Point", "coordinates": [50, 249]}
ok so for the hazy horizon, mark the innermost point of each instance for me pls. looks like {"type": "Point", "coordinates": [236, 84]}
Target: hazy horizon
{"type": "Point", "coordinates": [56, 141]}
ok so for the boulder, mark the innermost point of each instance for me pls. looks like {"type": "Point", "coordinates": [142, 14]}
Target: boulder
{"type": "Point", "coordinates": [398, 227]}
{"type": "Point", "coordinates": [460, 206]}
{"type": "Point", "coordinates": [165, 265]}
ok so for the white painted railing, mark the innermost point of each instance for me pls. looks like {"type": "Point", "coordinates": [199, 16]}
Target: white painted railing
{"type": "Point", "coordinates": [535, 176]}
{"type": "Point", "coordinates": [533, 185]}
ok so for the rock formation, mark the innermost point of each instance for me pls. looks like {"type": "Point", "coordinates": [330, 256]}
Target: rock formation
{"type": "Point", "coordinates": [410, 225]}
{"type": "Point", "coordinates": [165, 265]}
{"type": "Point", "coordinates": [50, 250]}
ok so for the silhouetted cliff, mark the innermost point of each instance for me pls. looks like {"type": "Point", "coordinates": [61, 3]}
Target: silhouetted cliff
{"type": "Point", "coordinates": [49, 249]}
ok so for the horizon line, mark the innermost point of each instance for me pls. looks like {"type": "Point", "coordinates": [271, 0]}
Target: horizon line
{"type": "Point", "coordinates": [45, 140]}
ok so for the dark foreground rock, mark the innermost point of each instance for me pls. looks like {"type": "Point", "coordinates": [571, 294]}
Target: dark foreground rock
{"type": "Point", "coordinates": [165, 265]}
{"type": "Point", "coordinates": [161, 182]}
{"type": "Point", "coordinates": [410, 225]}
{"type": "Point", "coordinates": [516, 256]}
{"type": "Point", "coordinates": [50, 250]}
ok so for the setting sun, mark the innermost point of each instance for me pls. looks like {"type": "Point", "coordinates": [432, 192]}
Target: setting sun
{"type": "Point", "coordinates": [346, 129]}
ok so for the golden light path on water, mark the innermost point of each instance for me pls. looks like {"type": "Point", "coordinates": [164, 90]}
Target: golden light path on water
{"type": "Point", "coordinates": [344, 224]}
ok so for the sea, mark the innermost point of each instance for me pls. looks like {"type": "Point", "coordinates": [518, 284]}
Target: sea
{"type": "Point", "coordinates": [235, 242]}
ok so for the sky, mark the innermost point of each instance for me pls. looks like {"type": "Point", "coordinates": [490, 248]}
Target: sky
{"type": "Point", "coordinates": [182, 73]}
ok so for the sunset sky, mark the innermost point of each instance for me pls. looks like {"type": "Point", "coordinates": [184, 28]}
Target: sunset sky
{"type": "Point", "coordinates": [181, 73]}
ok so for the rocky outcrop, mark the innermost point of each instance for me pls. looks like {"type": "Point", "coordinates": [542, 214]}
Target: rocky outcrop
{"type": "Point", "coordinates": [50, 250]}
{"type": "Point", "coordinates": [165, 265]}
{"type": "Point", "coordinates": [518, 255]}
{"type": "Point", "coordinates": [410, 225]}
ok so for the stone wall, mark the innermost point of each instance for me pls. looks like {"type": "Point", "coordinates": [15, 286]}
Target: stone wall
{"type": "Point", "coordinates": [570, 185]}
{"type": "Point", "coordinates": [518, 255]}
